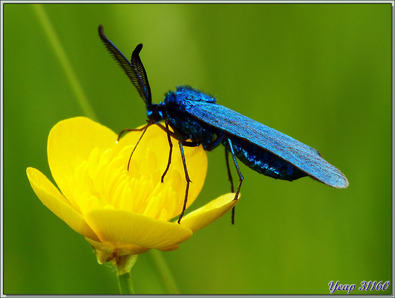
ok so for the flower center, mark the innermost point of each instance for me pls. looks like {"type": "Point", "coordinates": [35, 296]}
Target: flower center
{"type": "Point", "coordinates": [106, 182]}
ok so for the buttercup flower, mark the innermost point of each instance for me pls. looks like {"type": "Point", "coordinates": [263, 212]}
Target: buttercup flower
{"type": "Point", "coordinates": [123, 212]}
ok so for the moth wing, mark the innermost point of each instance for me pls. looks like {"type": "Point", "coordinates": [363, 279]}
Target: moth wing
{"type": "Point", "coordinates": [296, 153]}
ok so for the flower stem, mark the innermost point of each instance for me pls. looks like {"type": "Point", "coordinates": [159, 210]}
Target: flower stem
{"type": "Point", "coordinates": [125, 284]}
{"type": "Point", "coordinates": [124, 265]}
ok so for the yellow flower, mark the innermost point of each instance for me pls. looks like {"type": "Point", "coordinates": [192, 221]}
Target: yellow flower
{"type": "Point", "coordinates": [123, 212]}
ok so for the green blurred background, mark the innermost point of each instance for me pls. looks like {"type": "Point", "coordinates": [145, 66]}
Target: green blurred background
{"type": "Point", "coordinates": [320, 73]}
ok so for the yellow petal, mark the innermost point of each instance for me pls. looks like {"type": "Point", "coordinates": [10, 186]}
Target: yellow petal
{"type": "Point", "coordinates": [70, 142]}
{"type": "Point", "coordinates": [210, 212]}
{"type": "Point", "coordinates": [124, 229]}
{"type": "Point", "coordinates": [50, 196]}
{"type": "Point", "coordinates": [169, 248]}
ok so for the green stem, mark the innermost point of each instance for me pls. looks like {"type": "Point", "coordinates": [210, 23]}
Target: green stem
{"type": "Point", "coordinates": [164, 271]}
{"type": "Point", "coordinates": [125, 284]}
{"type": "Point", "coordinates": [64, 61]}
{"type": "Point", "coordinates": [124, 265]}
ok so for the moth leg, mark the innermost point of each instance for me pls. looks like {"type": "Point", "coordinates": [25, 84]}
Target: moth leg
{"type": "Point", "coordinates": [180, 144]}
{"type": "Point", "coordinates": [185, 143]}
{"type": "Point", "coordinates": [144, 129]}
{"type": "Point", "coordinates": [170, 151]}
{"type": "Point", "coordinates": [172, 134]}
{"type": "Point", "coordinates": [214, 143]}
{"type": "Point", "coordinates": [228, 169]}
{"type": "Point", "coordinates": [190, 144]}
{"type": "Point", "coordinates": [166, 129]}
{"type": "Point", "coordinates": [231, 181]}
{"type": "Point", "coordinates": [169, 135]}
{"type": "Point", "coordinates": [129, 129]}
{"type": "Point", "coordinates": [186, 178]}
{"type": "Point", "coordinates": [241, 178]}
